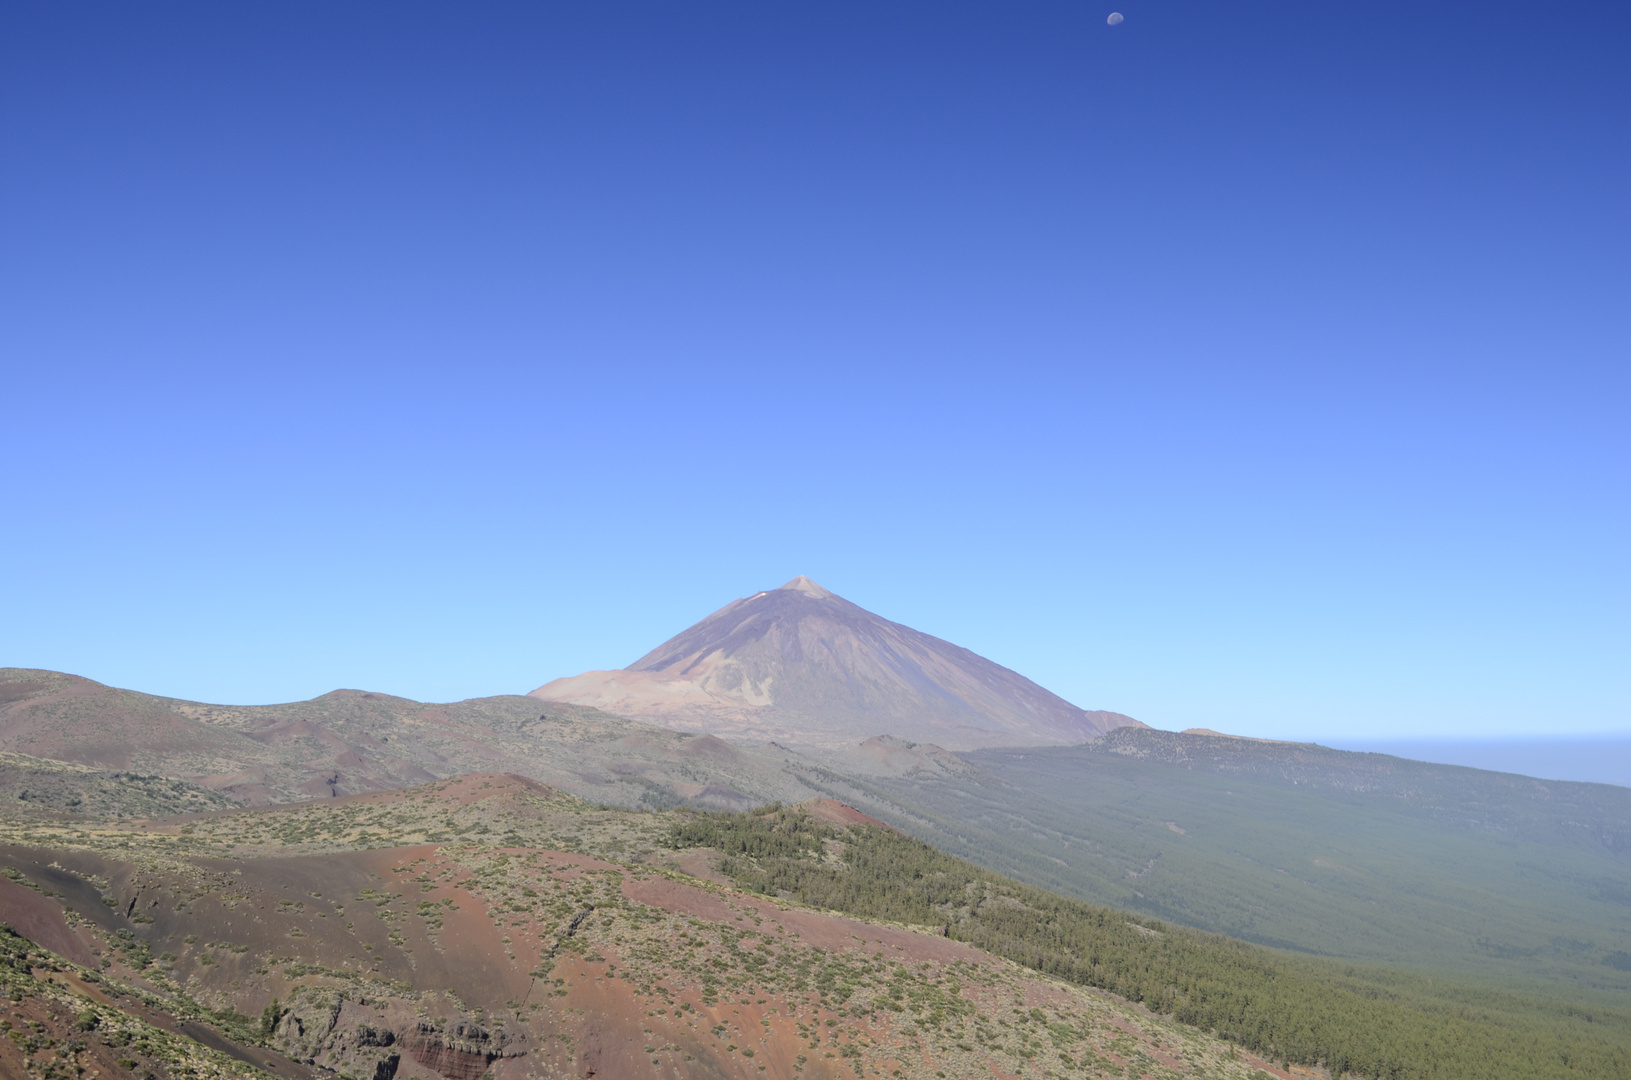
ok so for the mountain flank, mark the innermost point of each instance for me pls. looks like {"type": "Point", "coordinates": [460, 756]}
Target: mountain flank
{"type": "Point", "coordinates": [803, 666]}
{"type": "Point", "coordinates": [490, 927]}
{"type": "Point", "coordinates": [77, 746]}
{"type": "Point", "coordinates": [1286, 844]}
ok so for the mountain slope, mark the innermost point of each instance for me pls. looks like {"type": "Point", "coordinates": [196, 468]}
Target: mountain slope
{"type": "Point", "coordinates": [1504, 878]}
{"type": "Point", "coordinates": [350, 741]}
{"type": "Point", "coordinates": [386, 936]}
{"type": "Point", "coordinates": [490, 926]}
{"type": "Point", "coordinates": [803, 666]}
{"type": "Point", "coordinates": [1322, 851]}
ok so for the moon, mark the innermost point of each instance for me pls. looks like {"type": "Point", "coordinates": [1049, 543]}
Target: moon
{"type": "Point", "coordinates": [1114, 19]}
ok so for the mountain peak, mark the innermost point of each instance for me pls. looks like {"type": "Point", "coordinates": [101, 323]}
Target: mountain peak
{"type": "Point", "coordinates": [776, 666]}
{"type": "Point", "coordinates": [809, 588]}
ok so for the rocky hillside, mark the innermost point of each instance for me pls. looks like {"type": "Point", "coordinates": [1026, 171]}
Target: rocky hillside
{"type": "Point", "coordinates": [492, 927]}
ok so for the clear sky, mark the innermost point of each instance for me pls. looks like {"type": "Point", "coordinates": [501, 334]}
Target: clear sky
{"type": "Point", "coordinates": [1260, 367]}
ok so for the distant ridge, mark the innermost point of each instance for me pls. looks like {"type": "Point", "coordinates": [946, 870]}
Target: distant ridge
{"type": "Point", "coordinates": [73, 745]}
{"type": "Point", "coordinates": [804, 666]}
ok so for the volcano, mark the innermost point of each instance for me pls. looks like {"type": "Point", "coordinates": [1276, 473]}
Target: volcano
{"type": "Point", "coordinates": [802, 665]}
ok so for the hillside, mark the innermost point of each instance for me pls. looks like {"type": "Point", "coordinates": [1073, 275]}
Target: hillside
{"type": "Point", "coordinates": [490, 926]}
{"type": "Point", "coordinates": [1301, 847]}
{"type": "Point", "coordinates": [351, 741]}
{"type": "Point", "coordinates": [69, 788]}
{"type": "Point", "coordinates": [802, 666]}
{"type": "Point", "coordinates": [1506, 878]}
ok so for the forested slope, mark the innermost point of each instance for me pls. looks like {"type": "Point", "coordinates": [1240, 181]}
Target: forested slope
{"type": "Point", "coordinates": [1499, 877]}
{"type": "Point", "coordinates": [1372, 1022]}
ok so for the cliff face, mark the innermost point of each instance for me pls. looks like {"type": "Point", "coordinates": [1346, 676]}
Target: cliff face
{"type": "Point", "coordinates": [802, 665]}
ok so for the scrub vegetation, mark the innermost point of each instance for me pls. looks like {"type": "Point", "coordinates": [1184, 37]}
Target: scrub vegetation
{"type": "Point", "coordinates": [1368, 1021]}
{"type": "Point", "coordinates": [492, 927]}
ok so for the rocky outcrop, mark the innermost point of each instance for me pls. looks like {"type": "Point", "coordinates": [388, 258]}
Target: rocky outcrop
{"type": "Point", "coordinates": [367, 1036]}
{"type": "Point", "coordinates": [462, 1050]}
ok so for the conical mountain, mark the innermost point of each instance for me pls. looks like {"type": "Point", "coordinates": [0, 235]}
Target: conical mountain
{"type": "Point", "coordinates": [803, 666]}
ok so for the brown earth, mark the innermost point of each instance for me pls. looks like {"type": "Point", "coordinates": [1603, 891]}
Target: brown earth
{"type": "Point", "coordinates": [39, 920]}
{"type": "Point", "coordinates": [521, 962]}
{"type": "Point", "coordinates": [833, 812]}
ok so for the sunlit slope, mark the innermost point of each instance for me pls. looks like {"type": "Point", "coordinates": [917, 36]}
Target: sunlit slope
{"type": "Point", "coordinates": [802, 666]}
{"type": "Point", "coordinates": [1321, 851]}
{"type": "Point", "coordinates": [490, 927]}
{"type": "Point", "coordinates": [1292, 845]}
{"type": "Point", "coordinates": [347, 742]}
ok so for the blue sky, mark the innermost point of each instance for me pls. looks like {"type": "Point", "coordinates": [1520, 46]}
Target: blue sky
{"type": "Point", "coordinates": [1254, 368]}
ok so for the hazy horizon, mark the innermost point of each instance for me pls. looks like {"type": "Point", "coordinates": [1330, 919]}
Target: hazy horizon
{"type": "Point", "coordinates": [1597, 759]}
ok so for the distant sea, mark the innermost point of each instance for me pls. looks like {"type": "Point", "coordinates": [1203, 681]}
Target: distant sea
{"type": "Point", "coordinates": [1602, 760]}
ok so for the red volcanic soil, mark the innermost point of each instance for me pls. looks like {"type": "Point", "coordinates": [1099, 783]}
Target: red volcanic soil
{"type": "Point", "coordinates": [834, 812]}
{"type": "Point", "coordinates": [501, 989]}
{"type": "Point", "coordinates": [459, 962]}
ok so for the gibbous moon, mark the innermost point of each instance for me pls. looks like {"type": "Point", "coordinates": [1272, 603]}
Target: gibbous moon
{"type": "Point", "coordinates": [1114, 19]}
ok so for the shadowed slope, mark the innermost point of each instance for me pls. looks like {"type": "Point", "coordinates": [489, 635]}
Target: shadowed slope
{"type": "Point", "coordinates": [802, 665]}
